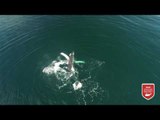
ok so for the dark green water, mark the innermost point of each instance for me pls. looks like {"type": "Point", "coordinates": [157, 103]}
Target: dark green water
{"type": "Point", "coordinates": [129, 45]}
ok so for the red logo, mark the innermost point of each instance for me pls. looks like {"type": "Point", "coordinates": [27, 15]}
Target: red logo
{"type": "Point", "coordinates": [148, 90]}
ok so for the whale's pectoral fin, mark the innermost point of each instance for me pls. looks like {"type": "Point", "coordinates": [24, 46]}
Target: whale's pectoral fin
{"type": "Point", "coordinates": [79, 62]}
{"type": "Point", "coordinates": [64, 55]}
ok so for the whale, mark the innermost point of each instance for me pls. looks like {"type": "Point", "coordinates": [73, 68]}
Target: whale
{"type": "Point", "coordinates": [70, 60]}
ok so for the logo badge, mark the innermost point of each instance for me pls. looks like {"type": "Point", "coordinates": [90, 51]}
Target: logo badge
{"type": "Point", "coordinates": [148, 90]}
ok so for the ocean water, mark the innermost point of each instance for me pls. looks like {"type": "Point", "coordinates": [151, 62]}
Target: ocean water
{"type": "Point", "coordinates": [121, 52]}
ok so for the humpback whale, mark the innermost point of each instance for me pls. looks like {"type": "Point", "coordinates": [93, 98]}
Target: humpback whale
{"type": "Point", "coordinates": [70, 61]}
{"type": "Point", "coordinates": [64, 69]}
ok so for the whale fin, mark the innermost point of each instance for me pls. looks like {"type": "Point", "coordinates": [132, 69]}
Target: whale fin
{"type": "Point", "coordinates": [64, 55]}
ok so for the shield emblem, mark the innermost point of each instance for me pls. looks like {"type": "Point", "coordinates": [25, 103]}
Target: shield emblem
{"type": "Point", "coordinates": [148, 90]}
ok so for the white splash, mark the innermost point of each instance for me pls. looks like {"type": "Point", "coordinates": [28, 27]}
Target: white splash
{"type": "Point", "coordinates": [77, 85]}
{"type": "Point", "coordinates": [59, 72]}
